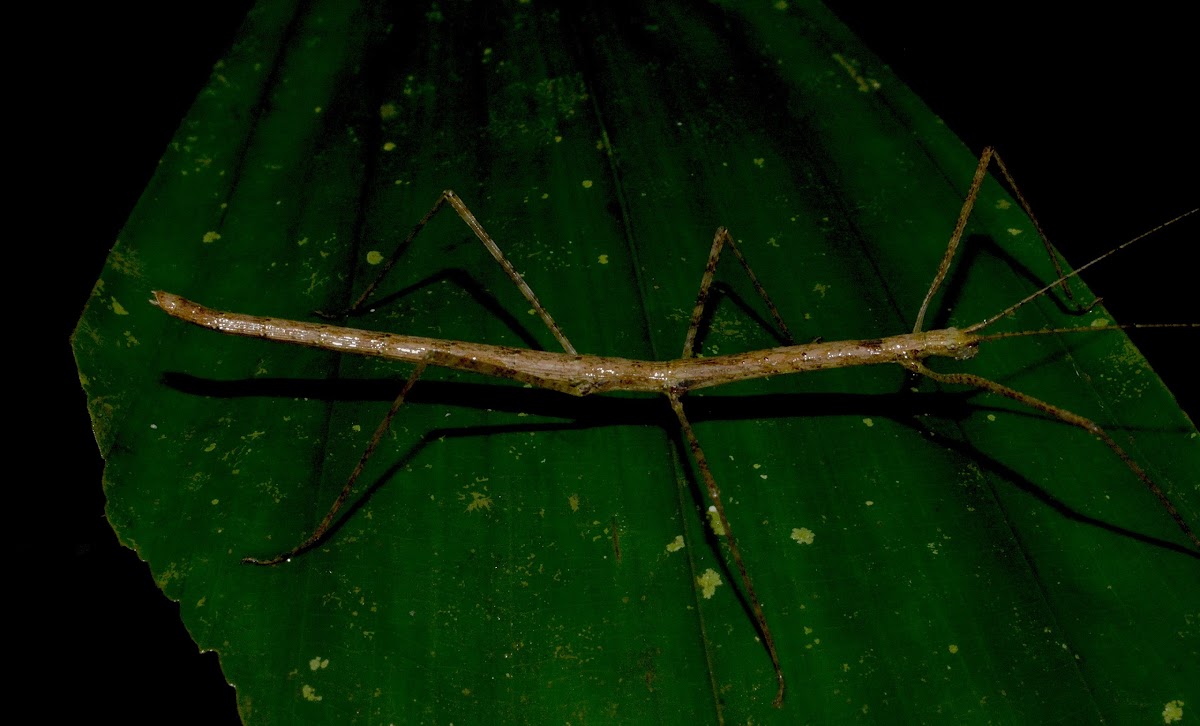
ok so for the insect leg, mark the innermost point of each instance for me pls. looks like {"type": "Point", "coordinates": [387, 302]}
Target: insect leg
{"type": "Point", "coordinates": [719, 240]}
{"type": "Point", "coordinates": [323, 528]}
{"type": "Point", "coordinates": [449, 197]}
{"type": "Point", "coordinates": [985, 160]}
{"type": "Point", "coordinates": [968, 379]}
{"type": "Point", "coordinates": [714, 493]}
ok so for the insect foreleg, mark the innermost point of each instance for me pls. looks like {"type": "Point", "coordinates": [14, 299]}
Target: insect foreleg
{"type": "Point", "coordinates": [1069, 417]}
{"type": "Point", "coordinates": [989, 154]}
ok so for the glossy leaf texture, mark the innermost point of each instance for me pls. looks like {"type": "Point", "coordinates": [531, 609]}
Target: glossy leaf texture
{"type": "Point", "coordinates": [922, 553]}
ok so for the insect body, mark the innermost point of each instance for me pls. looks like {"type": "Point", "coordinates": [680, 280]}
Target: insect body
{"type": "Point", "coordinates": [575, 374]}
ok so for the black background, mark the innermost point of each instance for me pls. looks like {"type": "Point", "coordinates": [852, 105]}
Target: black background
{"type": "Point", "coordinates": [1092, 115]}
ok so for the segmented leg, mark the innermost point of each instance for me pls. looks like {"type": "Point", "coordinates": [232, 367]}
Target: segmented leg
{"type": "Point", "coordinates": [985, 160]}
{"type": "Point", "coordinates": [714, 493]}
{"type": "Point", "coordinates": [719, 239]}
{"type": "Point", "coordinates": [323, 527]}
{"type": "Point", "coordinates": [449, 197]}
{"type": "Point", "coordinates": [968, 379]}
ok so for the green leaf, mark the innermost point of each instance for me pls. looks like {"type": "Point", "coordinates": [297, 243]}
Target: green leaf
{"type": "Point", "coordinates": [970, 559]}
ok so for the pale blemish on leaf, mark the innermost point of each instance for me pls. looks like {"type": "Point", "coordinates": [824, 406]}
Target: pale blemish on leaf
{"type": "Point", "coordinates": [953, 648]}
{"type": "Point", "coordinates": [118, 308]}
{"type": "Point", "coordinates": [803, 535]}
{"type": "Point", "coordinates": [573, 500]}
{"type": "Point", "coordinates": [714, 521]}
{"type": "Point", "coordinates": [865, 85]}
{"type": "Point", "coordinates": [708, 583]}
{"type": "Point", "coordinates": [1003, 204]}
{"type": "Point", "coordinates": [676, 544]}
{"type": "Point", "coordinates": [781, 5]}
{"type": "Point", "coordinates": [1173, 711]}
{"type": "Point", "coordinates": [389, 146]}
{"type": "Point", "coordinates": [387, 111]}
{"type": "Point", "coordinates": [210, 448]}
{"type": "Point", "coordinates": [374, 257]}
{"type": "Point", "coordinates": [318, 663]}
{"type": "Point", "coordinates": [602, 259]}
{"type": "Point", "coordinates": [820, 289]}
{"type": "Point", "coordinates": [868, 422]}
{"type": "Point", "coordinates": [309, 693]}
{"type": "Point", "coordinates": [1100, 323]}
{"type": "Point", "coordinates": [210, 237]}
{"type": "Point", "coordinates": [1013, 231]}
{"type": "Point", "coordinates": [587, 183]}
{"type": "Point", "coordinates": [302, 242]}
{"type": "Point", "coordinates": [479, 501]}
{"type": "Point", "coordinates": [760, 162]}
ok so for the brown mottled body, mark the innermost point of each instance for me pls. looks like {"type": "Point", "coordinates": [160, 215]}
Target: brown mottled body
{"type": "Point", "coordinates": [580, 375]}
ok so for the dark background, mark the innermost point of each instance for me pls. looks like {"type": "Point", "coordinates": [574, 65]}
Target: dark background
{"type": "Point", "coordinates": [1091, 113]}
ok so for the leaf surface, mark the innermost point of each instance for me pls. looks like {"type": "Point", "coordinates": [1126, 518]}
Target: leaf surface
{"type": "Point", "coordinates": [970, 559]}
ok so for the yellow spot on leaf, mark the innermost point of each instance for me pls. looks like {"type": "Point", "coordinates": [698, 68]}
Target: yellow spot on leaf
{"type": "Point", "coordinates": [215, 502]}
{"type": "Point", "coordinates": [479, 501]}
{"type": "Point", "coordinates": [309, 693]}
{"type": "Point", "coordinates": [781, 5]}
{"type": "Point", "coordinates": [708, 583]}
{"type": "Point", "coordinates": [676, 544]}
{"type": "Point", "coordinates": [1173, 711]}
{"type": "Point", "coordinates": [387, 110]}
{"type": "Point", "coordinates": [389, 146]}
{"type": "Point", "coordinates": [573, 500]}
{"type": "Point", "coordinates": [760, 162]}
{"type": "Point", "coordinates": [210, 237]}
{"type": "Point", "coordinates": [953, 648]}
{"type": "Point", "coordinates": [374, 257]}
{"type": "Point", "coordinates": [803, 535]}
{"type": "Point", "coordinates": [1100, 323]}
{"type": "Point", "coordinates": [210, 447]}
{"type": "Point", "coordinates": [602, 259]}
{"type": "Point", "coordinates": [318, 663]}
{"type": "Point", "coordinates": [587, 183]}
{"type": "Point", "coordinates": [1013, 231]}
{"type": "Point", "coordinates": [868, 422]}
{"type": "Point", "coordinates": [714, 521]}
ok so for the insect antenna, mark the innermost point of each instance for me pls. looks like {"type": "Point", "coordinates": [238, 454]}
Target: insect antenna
{"type": "Point", "coordinates": [1035, 295]}
{"type": "Point", "coordinates": [1082, 329]}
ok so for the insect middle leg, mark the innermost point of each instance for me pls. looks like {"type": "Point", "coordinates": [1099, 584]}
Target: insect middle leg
{"type": "Point", "coordinates": [675, 396]}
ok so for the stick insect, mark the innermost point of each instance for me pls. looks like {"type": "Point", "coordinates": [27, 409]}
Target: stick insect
{"type": "Point", "coordinates": [579, 375]}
